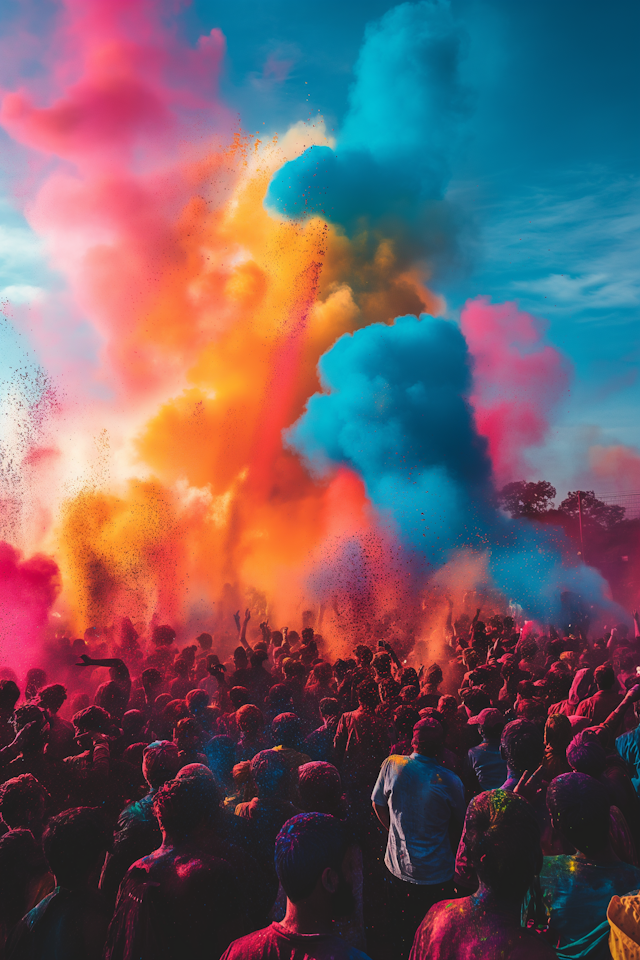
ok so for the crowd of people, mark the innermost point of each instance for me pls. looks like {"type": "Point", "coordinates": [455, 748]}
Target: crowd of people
{"type": "Point", "coordinates": [160, 803]}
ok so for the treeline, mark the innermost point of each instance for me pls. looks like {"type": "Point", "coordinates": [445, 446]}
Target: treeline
{"type": "Point", "coordinates": [611, 541]}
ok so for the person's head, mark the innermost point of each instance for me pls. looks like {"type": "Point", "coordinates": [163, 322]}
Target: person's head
{"type": "Point", "coordinates": [270, 774]}
{"type": "Point", "coordinates": [221, 753]}
{"type": "Point", "coordinates": [405, 719]}
{"type": "Point", "coordinates": [323, 672]}
{"type": "Point", "coordinates": [151, 680]}
{"type": "Point", "coordinates": [367, 694]}
{"type": "Point", "coordinates": [558, 732]}
{"type": "Point", "coordinates": [278, 696]}
{"type": "Point", "coordinates": [52, 697]}
{"type": "Point", "coordinates": [160, 762]}
{"type": "Point", "coordinates": [364, 655]}
{"type": "Point", "coordinates": [80, 701]}
{"type": "Point", "coordinates": [409, 693]}
{"type": "Point", "coordinates": [329, 709]}
{"type": "Point", "coordinates": [320, 787]}
{"type": "Point", "coordinates": [181, 668]}
{"type": "Point", "coordinates": [205, 641]}
{"type": "Point", "coordinates": [75, 843]}
{"type": "Point", "coordinates": [163, 636]}
{"type": "Point", "coordinates": [529, 650]}
{"type": "Point", "coordinates": [9, 696]}
{"type": "Point", "coordinates": [294, 670]}
{"type": "Point", "coordinates": [604, 676]}
{"type": "Point", "coordinates": [307, 634]}
{"type": "Point", "coordinates": [503, 842]}
{"type": "Point", "coordinates": [409, 677]}
{"type": "Point", "coordinates": [277, 638]}
{"type": "Point", "coordinates": [309, 652]}
{"type": "Point", "coordinates": [188, 735]}
{"type": "Point", "coordinates": [490, 723]}
{"type": "Point", "coordinates": [285, 730]}
{"type": "Point", "coordinates": [214, 667]}
{"type": "Point", "coordinates": [526, 689]}
{"type": "Point", "coordinates": [112, 698]}
{"type": "Point", "coordinates": [448, 707]}
{"type": "Point", "coordinates": [313, 863]}
{"type": "Point", "coordinates": [186, 806]}
{"type": "Point", "coordinates": [173, 711]}
{"type": "Point", "coordinates": [249, 719]}
{"type": "Point", "coordinates": [22, 802]}
{"type": "Point", "coordinates": [433, 675]}
{"type": "Point", "coordinates": [239, 696]}
{"type": "Point", "coordinates": [258, 657]}
{"type": "Point", "coordinates": [36, 679]}
{"type": "Point", "coordinates": [428, 738]}
{"type": "Point", "coordinates": [381, 663]}
{"type": "Point", "coordinates": [340, 669]}
{"type": "Point", "coordinates": [522, 746]}
{"type": "Point", "coordinates": [579, 809]}
{"type": "Point", "coordinates": [474, 700]}
{"type": "Point", "coordinates": [38, 735]}
{"type": "Point", "coordinates": [586, 754]}
{"type": "Point", "coordinates": [197, 702]}
{"type": "Point", "coordinates": [94, 719]}
{"type": "Point", "coordinates": [240, 658]}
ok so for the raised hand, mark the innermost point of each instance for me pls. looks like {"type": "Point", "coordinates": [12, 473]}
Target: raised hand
{"type": "Point", "coordinates": [530, 787]}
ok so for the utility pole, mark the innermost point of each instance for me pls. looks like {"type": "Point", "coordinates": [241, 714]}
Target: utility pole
{"type": "Point", "coordinates": [580, 522]}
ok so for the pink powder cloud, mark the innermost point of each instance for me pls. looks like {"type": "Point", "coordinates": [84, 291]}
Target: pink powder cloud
{"type": "Point", "coordinates": [518, 381]}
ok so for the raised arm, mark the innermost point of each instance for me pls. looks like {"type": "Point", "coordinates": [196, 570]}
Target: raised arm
{"type": "Point", "coordinates": [243, 632]}
{"type": "Point", "coordinates": [607, 731]}
{"type": "Point", "coordinates": [394, 656]}
{"type": "Point", "coordinates": [118, 669]}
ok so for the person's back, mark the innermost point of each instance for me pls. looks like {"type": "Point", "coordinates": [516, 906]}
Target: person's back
{"type": "Point", "coordinates": [577, 888]}
{"type": "Point", "coordinates": [504, 847]}
{"type": "Point", "coordinates": [66, 925]}
{"type": "Point", "coordinates": [423, 798]}
{"type": "Point", "coordinates": [137, 832]}
{"type": "Point", "coordinates": [179, 901]}
{"type": "Point", "coordinates": [598, 707]}
{"type": "Point", "coordinates": [319, 744]}
{"type": "Point", "coordinates": [271, 807]}
{"type": "Point", "coordinates": [71, 923]}
{"type": "Point", "coordinates": [362, 739]}
{"type": "Point", "coordinates": [486, 764]}
{"type": "Point", "coordinates": [192, 896]}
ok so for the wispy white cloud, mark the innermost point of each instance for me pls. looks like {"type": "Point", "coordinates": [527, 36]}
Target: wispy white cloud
{"type": "Point", "coordinates": [573, 245]}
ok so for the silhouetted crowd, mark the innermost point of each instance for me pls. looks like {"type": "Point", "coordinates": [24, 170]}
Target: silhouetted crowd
{"type": "Point", "coordinates": [158, 803]}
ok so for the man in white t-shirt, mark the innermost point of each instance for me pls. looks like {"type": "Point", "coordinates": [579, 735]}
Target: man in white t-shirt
{"type": "Point", "coordinates": [422, 806]}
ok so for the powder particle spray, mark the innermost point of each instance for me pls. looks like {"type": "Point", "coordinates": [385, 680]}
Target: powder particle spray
{"type": "Point", "coordinates": [283, 414]}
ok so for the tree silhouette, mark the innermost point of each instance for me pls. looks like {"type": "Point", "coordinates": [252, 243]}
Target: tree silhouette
{"type": "Point", "coordinates": [526, 499]}
{"type": "Point", "coordinates": [594, 511]}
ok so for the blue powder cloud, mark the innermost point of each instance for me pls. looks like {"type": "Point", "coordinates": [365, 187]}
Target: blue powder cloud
{"type": "Point", "coordinates": [403, 123]}
{"type": "Point", "coordinates": [395, 408]}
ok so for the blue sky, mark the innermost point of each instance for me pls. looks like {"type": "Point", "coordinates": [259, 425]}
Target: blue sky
{"type": "Point", "coordinates": [545, 178]}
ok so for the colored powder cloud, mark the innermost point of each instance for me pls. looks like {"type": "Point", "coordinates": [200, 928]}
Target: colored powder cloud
{"type": "Point", "coordinates": [518, 381]}
{"type": "Point", "coordinates": [28, 590]}
{"type": "Point", "coordinates": [396, 407]}
{"type": "Point", "coordinates": [406, 111]}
